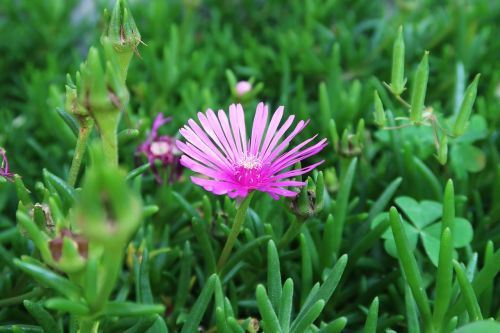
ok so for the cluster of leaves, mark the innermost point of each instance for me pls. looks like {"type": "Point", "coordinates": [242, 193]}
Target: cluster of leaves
{"type": "Point", "coordinates": [322, 60]}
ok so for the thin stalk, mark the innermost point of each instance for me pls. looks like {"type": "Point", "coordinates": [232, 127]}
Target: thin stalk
{"type": "Point", "coordinates": [81, 144]}
{"type": "Point", "coordinates": [235, 230]}
{"type": "Point", "coordinates": [292, 232]}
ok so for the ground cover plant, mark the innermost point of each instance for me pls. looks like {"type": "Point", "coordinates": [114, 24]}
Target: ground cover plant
{"type": "Point", "coordinates": [249, 166]}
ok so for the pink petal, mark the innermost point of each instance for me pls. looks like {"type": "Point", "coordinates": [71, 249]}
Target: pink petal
{"type": "Point", "coordinates": [271, 154]}
{"type": "Point", "coordinates": [273, 125]}
{"type": "Point", "coordinates": [259, 125]}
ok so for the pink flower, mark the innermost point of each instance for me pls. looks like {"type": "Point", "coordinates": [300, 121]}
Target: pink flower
{"type": "Point", "coordinates": [243, 87]}
{"type": "Point", "coordinates": [161, 148]}
{"type": "Point", "coordinates": [230, 163]}
{"type": "Point", "coordinates": [4, 166]}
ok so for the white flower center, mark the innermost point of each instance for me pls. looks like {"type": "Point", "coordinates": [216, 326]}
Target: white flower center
{"type": "Point", "coordinates": [160, 148]}
{"type": "Point", "coordinates": [249, 162]}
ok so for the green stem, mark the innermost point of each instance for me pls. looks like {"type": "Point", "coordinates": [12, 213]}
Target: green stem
{"type": "Point", "coordinates": [110, 148]}
{"type": "Point", "coordinates": [292, 232]}
{"type": "Point", "coordinates": [124, 59]}
{"type": "Point", "coordinates": [88, 326]}
{"type": "Point", "coordinates": [111, 265]}
{"type": "Point", "coordinates": [235, 230]}
{"type": "Point", "coordinates": [107, 121]}
{"type": "Point", "coordinates": [81, 144]}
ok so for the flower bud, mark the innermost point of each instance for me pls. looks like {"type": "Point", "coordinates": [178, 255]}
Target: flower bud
{"type": "Point", "coordinates": [310, 199]}
{"type": "Point", "coordinates": [103, 93]}
{"type": "Point", "coordinates": [419, 90]}
{"type": "Point", "coordinates": [379, 114]}
{"type": "Point", "coordinates": [69, 251]}
{"type": "Point", "coordinates": [243, 87]}
{"type": "Point", "coordinates": [442, 154]}
{"type": "Point", "coordinates": [331, 180]}
{"type": "Point", "coordinates": [334, 134]}
{"type": "Point", "coordinates": [108, 211]}
{"type": "Point", "coordinates": [122, 34]}
{"type": "Point", "coordinates": [465, 111]}
{"type": "Point", "coordinates": [398, 80]}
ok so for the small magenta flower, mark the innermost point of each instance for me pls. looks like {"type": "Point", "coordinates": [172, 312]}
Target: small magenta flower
{"type": "Point", "coordinates": [4, 166]}
{"type": "Point", "coordinates": [232, 164]}
{"type": "Point", "coordinates": [161, 148]}
{"type": "Point", "coordinates": [243, 87]}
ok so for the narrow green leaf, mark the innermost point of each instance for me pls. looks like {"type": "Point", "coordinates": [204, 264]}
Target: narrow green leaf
{"type": "Point", "coordinates": [411, 311]}
{"type": "Point", "coordinates": [38, 237]}
{"type": "Point", "coordinates": [335, 326]}
{"type": "Point", "coordinates": [485, 326]}
{"type": "Point", "coordinates": [341, 209]}
{"type": "Point", "coordinates": [188, 208]}
{"type": "Point", "coordinates": [386, 196]}
{"type": "Point", "coordinates": [234, 325]}
{"type": "Point", "coordinates": [244, 251]}
{"type": "Point", "coordinates": [305, 321]}
{"type": "Point", "coordinates": [444, 278]}
{"type": "Point", "coordinates": [50, 279]}
{"type": "Point", "coordinates": [306, 265]}
{"type": "Point", "coordinates": [286, 302]}
{"type": "Point", "coordinates": [23, 193]}
{"type": "Point", "coordinates": [271, 323]}
{"type": "Point", "coordinates": [69, 120]}
{"type": "Point", "coordinates": [43, 318]}
{"type": "Point", "coordinates": [366, 242]}
{"type": "Point", "coordinates": [487, 297]}
{"type": "Point", "coordinates": [21, 329]}
{"type": "Point", "coordinates": [90, 281]}
{"type": "Point", "coordinates": [131, 309]}
{"type": "Point", "coordinates": [127, 134]}
{"type": "Point", "coordinates": [324, 106]}
{"type": "Point", "coordinates": [142, 325]}
{"type": "Point", "coordinates": [143, 286]}
{"type": "Point", "coordinates": [326, 290]}
{"type": "Point", "coordinates": [428, 176]}
{"type": "Point", "coordinates": [200, 306]}
{"type": "Point", "coordinates": [138, 171]}
{"type": "Point", "coordinates": [481, 281]}
{"type": "Point", "coordinates": [273, 275]}
{"type": "Point", "coordinates": [372, 317]}
{"type": "Point", "coordinates": [201, 232]}
{"type": "Point", "coordinates": [66, 306]}
{"type": "Point", "coordinates": [184, 278]}
{"type": "Point", "coordinates": [66, 191]}
{"type": "Point", "coordinates": [409, 265]}
{"type": "Point", "coordinates": [468, 293]}
{"type": "Point", "coordinates": [221, 321]}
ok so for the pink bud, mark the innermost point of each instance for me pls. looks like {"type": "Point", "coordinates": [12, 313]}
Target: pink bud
{"type": "Point", "coordinates": [243, 87]}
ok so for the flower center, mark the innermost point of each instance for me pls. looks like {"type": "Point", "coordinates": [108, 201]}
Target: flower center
{"type": "Point", "coordinates": [159, 148]}
{"type": "Point", "coordinates": [247, 170]}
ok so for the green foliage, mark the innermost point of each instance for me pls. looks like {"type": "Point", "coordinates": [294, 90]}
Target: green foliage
{"type": "Point", "coordinates": [90, 242]}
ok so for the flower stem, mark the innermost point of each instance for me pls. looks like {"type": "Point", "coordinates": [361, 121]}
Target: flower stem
{"type": "Point", "coordinates": [110, 148]}
{"type": "Point", "coordinates": [235, 230]}
{"type": "Point", "coordinates": [81, 144]}
{"type": "Point", "coordinates": [292, 232]}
